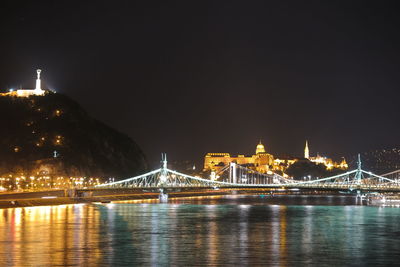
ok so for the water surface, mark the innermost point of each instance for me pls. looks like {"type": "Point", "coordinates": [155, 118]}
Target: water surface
{"type": "Point", "coordinates": [234, 230]}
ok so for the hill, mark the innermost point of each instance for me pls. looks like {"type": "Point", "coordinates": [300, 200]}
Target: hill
{"type": "Point", "coordinates": [53, 135]}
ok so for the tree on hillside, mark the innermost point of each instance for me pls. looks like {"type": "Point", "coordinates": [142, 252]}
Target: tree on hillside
{"type": "Point", "coordinates": [310, 170]}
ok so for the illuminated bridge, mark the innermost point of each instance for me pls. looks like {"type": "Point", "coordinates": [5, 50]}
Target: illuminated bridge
{"type": "Point", "coordinates": [236, 176]}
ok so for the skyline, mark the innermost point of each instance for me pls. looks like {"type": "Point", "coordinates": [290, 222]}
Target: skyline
{"type": "Point", "coordinates": [226, 78]}
{"type": "Point", "coordinates": [199, 133]}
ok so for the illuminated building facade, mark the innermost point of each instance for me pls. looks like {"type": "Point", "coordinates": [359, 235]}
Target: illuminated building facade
{"type": "Point", "coordinates": [261, 161]}
{"type": "Point", "coordinates": [329, 163]}
{"type": "Point", "coordinates": [264, 162]}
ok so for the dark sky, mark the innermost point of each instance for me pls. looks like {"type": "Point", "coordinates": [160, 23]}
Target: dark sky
{"type": "Point", "coordinates": [192, 77]}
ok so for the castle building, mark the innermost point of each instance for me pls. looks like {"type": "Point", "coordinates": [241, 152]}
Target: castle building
{"type": "Point", "coordinates": [261, 161]}
{"type": "Point", "coordinates": [28, 92]}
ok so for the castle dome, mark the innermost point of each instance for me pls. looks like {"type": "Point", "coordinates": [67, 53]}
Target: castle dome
{"type": "Point", "coordinates": [260, 148]}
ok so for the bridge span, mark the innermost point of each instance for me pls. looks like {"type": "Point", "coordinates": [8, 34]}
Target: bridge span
{"type": "Point", "coordinates": [238, 177]}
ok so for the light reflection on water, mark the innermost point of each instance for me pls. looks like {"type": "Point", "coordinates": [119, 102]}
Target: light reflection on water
{"type": "Point", "coordinates": [234, 230]}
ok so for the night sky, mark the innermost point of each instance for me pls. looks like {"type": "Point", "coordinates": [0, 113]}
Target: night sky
{"type": "Point", "coordinates": [193, 77]}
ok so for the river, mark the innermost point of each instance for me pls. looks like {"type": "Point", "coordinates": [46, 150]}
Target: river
{"type": "Point", "coordinates": [216, 231]}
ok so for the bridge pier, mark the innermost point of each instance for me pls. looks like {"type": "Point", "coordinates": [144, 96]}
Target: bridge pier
{"type": "Point", "coordinates": [163, 197]}
{"type": "Point", "coordinates": [359, 197]}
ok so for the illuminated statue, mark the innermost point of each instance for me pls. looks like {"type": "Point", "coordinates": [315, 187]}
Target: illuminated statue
{"type": "Point", "coordinates": [38, 86]}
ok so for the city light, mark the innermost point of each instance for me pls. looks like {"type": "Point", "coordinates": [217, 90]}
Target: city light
{"type": "Point", "coordinates": [22, 183]}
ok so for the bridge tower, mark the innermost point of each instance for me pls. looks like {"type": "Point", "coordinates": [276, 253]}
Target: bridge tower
{"type": "Point", "coordinates": [163, 197]}
{"type": "Point", "coordinates": [232, 173]}
{"type": "Point", "coordinates": [359, 174]}
{"type": "Point", "coordinates": [164, 171]}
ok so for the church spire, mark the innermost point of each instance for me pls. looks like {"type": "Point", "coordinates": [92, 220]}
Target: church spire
{"type": "Point", "coordinates": [306, 151]}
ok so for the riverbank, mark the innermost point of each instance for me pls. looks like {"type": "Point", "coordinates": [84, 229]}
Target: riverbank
{"type": "Point", "coordinates": [46, 199]}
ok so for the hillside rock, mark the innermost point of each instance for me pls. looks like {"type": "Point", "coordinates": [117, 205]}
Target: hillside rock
{"type": "Point", "coordinates": [33, 128]}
